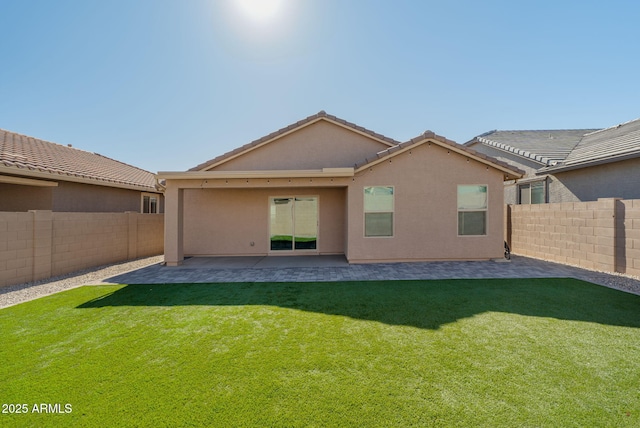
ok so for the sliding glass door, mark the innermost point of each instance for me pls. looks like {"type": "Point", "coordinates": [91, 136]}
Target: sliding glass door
{"type": "Point", "coordinates": [293, 223]}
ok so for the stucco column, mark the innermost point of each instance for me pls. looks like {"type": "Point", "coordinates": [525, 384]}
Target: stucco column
{"type": "Point", "coordinates": [173, 222]}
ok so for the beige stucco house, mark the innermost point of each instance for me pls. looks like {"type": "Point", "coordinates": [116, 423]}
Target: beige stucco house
{"type": "Point", "coordinates": [327, 186]}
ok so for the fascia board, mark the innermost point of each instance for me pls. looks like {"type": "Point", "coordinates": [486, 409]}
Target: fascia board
{"type": "Point", "coordinates": [65, 177]}
{"type": "Point", "coordinates": [27, 181]}
{"type": "Point", "coordinates": [309, 173]}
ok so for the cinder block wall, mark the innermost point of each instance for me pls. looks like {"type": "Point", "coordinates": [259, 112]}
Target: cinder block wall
{"type": "Point", "coordinates": [40, 244]}
{"type": "Point", "coordinates": [602, 235]}
{"type": "Point", "coordinates": [16, 247]}
{"type": "Point", "coordinates": [628, 237]}
{"type": "Point", "coordinates": [82, 240]}
{"type": "Point", "coordinates": [150, 236]}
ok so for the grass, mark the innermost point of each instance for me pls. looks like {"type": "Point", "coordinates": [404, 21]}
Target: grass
{"type": "Point", "coordinates": [540, 353]}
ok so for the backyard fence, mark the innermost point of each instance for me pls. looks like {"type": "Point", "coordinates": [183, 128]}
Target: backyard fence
{"type": "Point", "coordinates": [37, 245]}
{"type": "Point", "coordinates": [602, 235]}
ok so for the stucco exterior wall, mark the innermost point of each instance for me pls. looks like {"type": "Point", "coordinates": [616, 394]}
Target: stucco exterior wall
{"type": "Point", "coordinates": [71, 197]}
{"type": "Point", "coordinates": [78, 197]}
{"type": "Point", "coordinates": [227, 221]}
{"type": "Point", "coordinates": [613, 180]}
{"type": "Point", "coordinates": [19, 198]}
{"type": "Point", "coordinates": [319, 145]}
{"type": "Point", "coordinates": [425, 184]}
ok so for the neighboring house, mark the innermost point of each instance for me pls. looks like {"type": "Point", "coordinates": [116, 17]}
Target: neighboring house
{"type": "Point", "coordinates": [39, 175]}
{"type": "Point", "coordinates": [568, 165]}
{"type": "Point", "coordinates": [327, 186]}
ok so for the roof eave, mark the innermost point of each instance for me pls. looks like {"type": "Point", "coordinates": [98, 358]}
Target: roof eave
{"type": "Point", "coordinates": [514, 151]}
{"type": "Point", "coordinates": [12, 179]}
{"type": "Point", "coordinates": [586, 164]}
{"type": "Point", "coordinates": [30, 173]}
{"type": "Point", "coordinates": [269, 174]}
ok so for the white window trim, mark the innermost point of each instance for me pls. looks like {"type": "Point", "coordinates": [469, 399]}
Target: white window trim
{"type": "Point", "coordinates": [292, 251]}
{"type": "Point", "coordinates": [486, 210]}
{"type": "Point", "coordinates": [393, 214]}
{"type": "Point", "coordinates": [150, 195]}
{"type": "Point", "coordinates": [530, 183]}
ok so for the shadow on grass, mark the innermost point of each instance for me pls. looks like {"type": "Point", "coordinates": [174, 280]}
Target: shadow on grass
{"type": "Point", "coordinates": [423, 304]}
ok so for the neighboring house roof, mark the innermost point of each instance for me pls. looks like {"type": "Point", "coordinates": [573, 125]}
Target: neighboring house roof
{"type": "Point", "coordinates": [613, 144]}
{"type": "Point", "coordinates": [545, 146]}
{"type": "Point", "coordinates": [27, 156]}
{"type": "Point", "coordinates": [322, 115]}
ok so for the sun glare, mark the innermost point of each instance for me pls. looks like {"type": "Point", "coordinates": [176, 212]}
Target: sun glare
{"type": "Point", "coordinates": [260, 10]}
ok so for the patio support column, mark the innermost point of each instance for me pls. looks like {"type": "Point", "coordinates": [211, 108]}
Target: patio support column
{"type": "Point", "coordinates": [173, 225]}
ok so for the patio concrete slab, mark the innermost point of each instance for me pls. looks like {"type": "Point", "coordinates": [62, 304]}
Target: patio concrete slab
{"type": "Point", "coordinates": [264, 262]}
{"type": "Point", "coordinates": [336, 268]}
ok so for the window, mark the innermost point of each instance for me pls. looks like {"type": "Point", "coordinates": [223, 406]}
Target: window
{"type": "Point", "coordinates": [149, 204]}
{"type": "Point", "coordinates": [472, 210]}
{"type": "Point", "coordinates": [293, 223]}
{"type": "Point", "coordinates": [378, 211]}
{"type": "Point", "coordinates": [532, 193]}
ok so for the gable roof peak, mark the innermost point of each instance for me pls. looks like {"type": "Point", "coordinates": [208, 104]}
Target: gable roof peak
{"type": "Point", "coordinates": [429, 137]}
{"type": "Point", "coordinates": [321, 115]}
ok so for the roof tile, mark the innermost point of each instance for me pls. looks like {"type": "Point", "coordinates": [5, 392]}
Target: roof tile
{"type": "Point", "coordinates": [23, 152]}
{"type": "Point", "coordinates": [544, 146]}
{"type": "Point", "coordinates": [610, 142]}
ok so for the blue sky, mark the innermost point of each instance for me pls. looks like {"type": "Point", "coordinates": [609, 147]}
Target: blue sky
{"type": "Point", "coordinates": [168, 84]}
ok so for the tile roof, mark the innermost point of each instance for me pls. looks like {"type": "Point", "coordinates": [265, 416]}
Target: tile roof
{"type": "Point", "coordinates": [301, 123]}
{"type": "Point", "coordinates": [544, 146]}
{"type": "Point", "coordinates": [603, 146]}
{"type": "Point", "coordinates": [443, 142]}
{"type": "Point", "coordinates": [23, 155]}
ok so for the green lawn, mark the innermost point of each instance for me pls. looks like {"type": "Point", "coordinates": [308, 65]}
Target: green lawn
{"type": "Point", "coordinates": [468, 353]}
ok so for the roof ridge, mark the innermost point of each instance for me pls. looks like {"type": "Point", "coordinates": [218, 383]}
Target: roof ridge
{"type": "Point", "coordinates": [536, 130]}
{"type": "Point", "coordinates": [612, 127]}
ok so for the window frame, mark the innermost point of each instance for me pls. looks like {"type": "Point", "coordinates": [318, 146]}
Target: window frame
{"type": "Point", "coordinates": [293, 250]}
{"type": "Point", "coordinates": [470, 210]}
{"type": "Point", "coordinates": [529, 184]}
{"type": "Point", "coordinates": [365, 212]}
{"type": "Point", "coordinates": [143, 205]}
